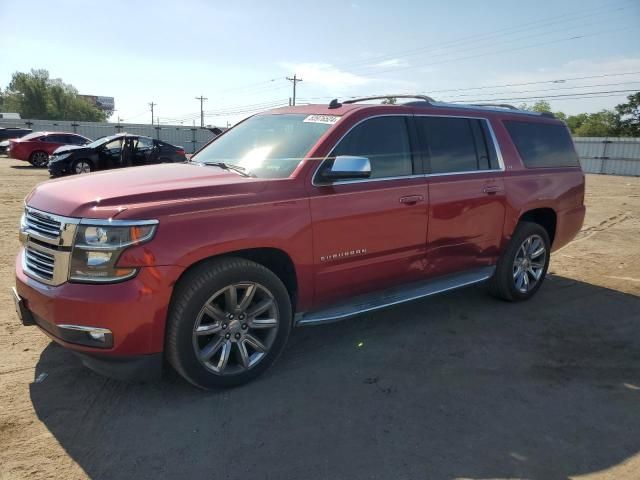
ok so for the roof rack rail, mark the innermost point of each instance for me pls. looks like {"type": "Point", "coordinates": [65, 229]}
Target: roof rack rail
{"type": "Point", "coordinates": [499, 105]}
{"type": "Point", "coordinates": [382, 97]}
{"type": "Point", "coordinates": [511, 107]}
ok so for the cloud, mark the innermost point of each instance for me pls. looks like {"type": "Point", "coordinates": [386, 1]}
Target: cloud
{"type": "Point", "coordinates": [392, 62]}
{"type": "Point", "coordinates": [326, 75]}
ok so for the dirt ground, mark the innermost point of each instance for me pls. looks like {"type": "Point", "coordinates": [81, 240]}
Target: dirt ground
{"type": "Point", "coordinates": [456, 386]}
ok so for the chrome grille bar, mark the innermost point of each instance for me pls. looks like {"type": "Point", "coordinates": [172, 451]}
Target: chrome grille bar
{"type": "Point", "coordinates": [47, 239]}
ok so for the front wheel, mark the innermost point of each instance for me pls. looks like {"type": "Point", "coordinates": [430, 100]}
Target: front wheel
{"type": "Point", "coordinates": [39, 159]}
{"type": "Point", "coordinates": [82, 166]}
{"type": "Point", "coordinates": [228, 322]}
{"type": "Point", "coordinates": [523, 266]}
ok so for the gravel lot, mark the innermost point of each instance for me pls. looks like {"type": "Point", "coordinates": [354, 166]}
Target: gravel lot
{"type": "Point", "coordinates": [457, 386]}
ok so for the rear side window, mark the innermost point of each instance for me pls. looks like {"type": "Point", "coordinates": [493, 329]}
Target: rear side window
{"type": "Point", "coordinates": [457, 144]}
{"type": "Point", "coordinates": [385, 142]}
{"type": "Point", "coordinates": [543, 144]}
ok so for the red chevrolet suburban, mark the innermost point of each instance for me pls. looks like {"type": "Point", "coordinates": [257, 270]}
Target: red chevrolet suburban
{"type": "Point", "coordinates": [296, 216]}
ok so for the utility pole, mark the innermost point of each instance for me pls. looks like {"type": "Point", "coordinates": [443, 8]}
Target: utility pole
{"type": "Point", "coordinates": [202, 99]}
{"type": "Point", "coordinates": [295, 80]}
{"type": "Point", "coordinates": [151, 104]}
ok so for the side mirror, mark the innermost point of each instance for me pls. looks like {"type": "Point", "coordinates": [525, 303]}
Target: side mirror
{"type": "Point", "coordinates": [348, 167]}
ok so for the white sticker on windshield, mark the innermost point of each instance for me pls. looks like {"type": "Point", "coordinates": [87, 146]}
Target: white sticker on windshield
{"type": "Point", "coordinates": [328, 119]}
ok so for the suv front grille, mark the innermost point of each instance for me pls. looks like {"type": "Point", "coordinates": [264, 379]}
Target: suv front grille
{"type": "Point", "coordinates": [47, 240]}
{"type": "Point", "coordinates": [42, 224]}
{"type": "Point", "coordinates": [39, 263]}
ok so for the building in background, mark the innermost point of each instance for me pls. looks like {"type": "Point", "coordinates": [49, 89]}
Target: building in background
{"type": "Point", "coordinates": [106, 104]}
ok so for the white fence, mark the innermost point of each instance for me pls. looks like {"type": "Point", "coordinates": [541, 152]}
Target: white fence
{"type": "Point", "coordinates": [609, 155]}
{"type": "Point", "coordinates": [191, 138]}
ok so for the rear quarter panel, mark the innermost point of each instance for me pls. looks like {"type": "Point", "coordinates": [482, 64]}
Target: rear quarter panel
{"type": "Point", "coordinates": [560, 189]}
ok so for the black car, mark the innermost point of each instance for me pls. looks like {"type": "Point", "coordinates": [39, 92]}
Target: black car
{"type": "Point", "coordinates": [10, 133]}
{"type": "Point", "coordinates": [116, 151]}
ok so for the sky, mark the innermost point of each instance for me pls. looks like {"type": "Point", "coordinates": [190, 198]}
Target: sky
{"type": "Point", "coordinates": [238, 54]}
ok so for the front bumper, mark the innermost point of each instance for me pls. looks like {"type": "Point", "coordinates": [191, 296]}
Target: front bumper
{"type": "Point", "coordinates": [132, 314]}
{"type": "Point", "coordinates": [58, 168]}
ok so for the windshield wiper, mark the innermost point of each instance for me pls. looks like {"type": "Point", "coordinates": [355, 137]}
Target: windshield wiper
{"type": "Point", "coordinates": [229, 166]}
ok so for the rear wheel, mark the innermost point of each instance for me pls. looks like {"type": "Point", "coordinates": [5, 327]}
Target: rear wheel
{"type": "Point", "coordinates": [39, 159]}
{"type": "Point", "coordinates": [82, 166]}
{"type": "Point", "coordinates": [523, 266]}
{"type": "Point", "coordinates": [229, 320]}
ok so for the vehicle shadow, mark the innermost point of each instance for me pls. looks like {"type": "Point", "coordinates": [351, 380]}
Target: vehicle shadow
{"type": "Point", "coordinates": [460, 385]}
{"type": "Point", "coordinates": [24, 167]}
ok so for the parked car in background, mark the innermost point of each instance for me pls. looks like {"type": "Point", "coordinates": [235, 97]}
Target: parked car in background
{"type": "Point", "coordinates": [11, 133]}
{"type": "Point", "coordinates": [36, 147]}
{"type": "Point", "coordinates": [116, 151]}
{"type": "Point", "coordinates": [297, 216]}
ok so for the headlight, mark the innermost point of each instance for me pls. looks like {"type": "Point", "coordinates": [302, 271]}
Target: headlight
{"type": "Point", "coordinates": [55, 157]}
{"type": "Point", "coordinates": [98, 246]}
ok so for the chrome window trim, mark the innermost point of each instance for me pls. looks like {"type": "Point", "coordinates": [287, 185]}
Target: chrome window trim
{"type": "Point", "coordinates": [494, 139]}
{"type": "Point", "coordinates": [360, 180]}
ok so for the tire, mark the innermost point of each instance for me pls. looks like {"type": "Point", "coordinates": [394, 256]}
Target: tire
{"type": "Point", "coordinates": [82, 166]}
{"type": "Point", "coordinates": [522, 268]}
{"type": "Point", "coordinates": [204, 328]}
{"type": "Point", "coordinates": [39, 159]}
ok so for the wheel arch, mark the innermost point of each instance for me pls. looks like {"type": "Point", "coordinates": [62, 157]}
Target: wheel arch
{"type": "Point", "coordinates": [275, 259]}
{"type": "Point", "coordinates": [546, 217]}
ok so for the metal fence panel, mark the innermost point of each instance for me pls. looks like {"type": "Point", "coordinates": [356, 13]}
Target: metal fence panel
{"type": "Point", "coordinates": [188, 137]}
{"type": "Point", "coordinates": [609, 155]}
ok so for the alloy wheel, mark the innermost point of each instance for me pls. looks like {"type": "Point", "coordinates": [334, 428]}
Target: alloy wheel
{"type": "Point", "coordinates": [40, 159]}
{"type": "Point", "coordinates": [236, 328]}
{"type": "Point", "coordinates": [82, 167]}
{"type": "Point", "coordinates": [529, 263]}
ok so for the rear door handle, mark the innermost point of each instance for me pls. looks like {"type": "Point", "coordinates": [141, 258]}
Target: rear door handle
{"type": "Point", "coordinates": [411, 199]}
{"type": "Point", "coordinates": [491, 189]}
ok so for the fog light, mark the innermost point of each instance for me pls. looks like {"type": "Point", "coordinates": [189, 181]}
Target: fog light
{"type": "Point", "coordinates": [97, 335]}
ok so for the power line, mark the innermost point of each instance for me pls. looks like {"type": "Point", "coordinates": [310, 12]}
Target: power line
{"type": "Point", "coordinates": [506, 50]}
{"type": "Point", "coordinates": [495, 33]}
{"type": "Point", "coordinates": [479, 38]}
{"type": "Point", "coordinates": [503, 85]}
{"type": "Point", "coordinates": [575, 95]}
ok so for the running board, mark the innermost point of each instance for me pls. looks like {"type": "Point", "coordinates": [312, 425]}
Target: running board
{"type": "Point", "coordinates": [393, 296]}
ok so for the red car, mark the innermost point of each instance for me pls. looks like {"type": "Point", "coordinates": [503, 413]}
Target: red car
{"type": "Point", "coordinates": [36, 147]}
{"type": "Point", "coordinates": [296, 216]}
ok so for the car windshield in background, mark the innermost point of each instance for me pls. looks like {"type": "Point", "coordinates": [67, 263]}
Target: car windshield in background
{"type": "Point", "coordinates": [268, 146]}
{"type": "Point", "coordinates": [31, 136]}
{"type": "Point", "coordinates": [100, 141]}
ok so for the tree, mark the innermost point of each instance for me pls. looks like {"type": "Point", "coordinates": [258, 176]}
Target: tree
{"type": "Point", "coordinates": [36, 95]}
{"type": "Point", "coordinates": [601, 124]}
{"type": "Point", "coordinates": [629, 114]}
{"type": "Point", "coordinates": [389, 101]}
{"type": "Point", "coordinates": [539, 106]}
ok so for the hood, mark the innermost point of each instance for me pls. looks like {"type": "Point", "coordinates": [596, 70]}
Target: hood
{"type": "Point", "coordinates": [4, 143]}
{"type": "Point", "coordinates": [69, 148]}
{"type": "Point", "coordinates": [138, 191]}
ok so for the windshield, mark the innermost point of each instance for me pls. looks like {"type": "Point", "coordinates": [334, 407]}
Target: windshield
{"type": "Point", "coordinates": [268, 146]}
{"type": "Point", "coordinates": [33, 135]}
{"type": "Point", "coordinates": [100, 141]}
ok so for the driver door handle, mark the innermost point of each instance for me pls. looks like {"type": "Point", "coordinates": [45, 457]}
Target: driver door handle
{"type": "Point", "coordinates": [491, 189]}
{"type": "Point", "coordinates": [411, 199]}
